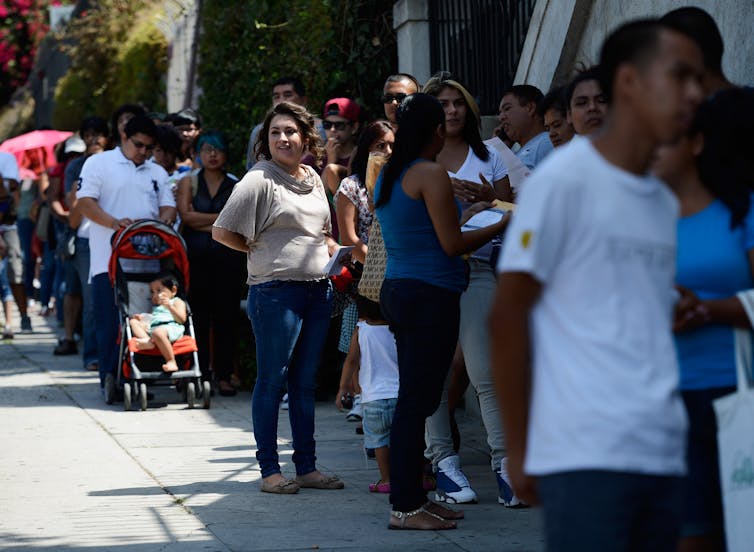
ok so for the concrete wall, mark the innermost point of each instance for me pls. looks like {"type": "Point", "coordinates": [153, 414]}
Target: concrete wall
{"type": "Point", "coordinates": [411, 23]}
{"type": "Point", "coordinates": [180, 28]}
{"type": "Point", "coordinates": [576, 29]}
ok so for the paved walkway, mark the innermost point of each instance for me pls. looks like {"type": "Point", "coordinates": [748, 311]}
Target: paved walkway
{"type": "Point", "coordinates": [77, 474]}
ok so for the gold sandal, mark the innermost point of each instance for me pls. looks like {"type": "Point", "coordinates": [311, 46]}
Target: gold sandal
{"type": "Point", "coordinates": [284, 486]}
{"type": "Point", "coordinates": [403, 516]}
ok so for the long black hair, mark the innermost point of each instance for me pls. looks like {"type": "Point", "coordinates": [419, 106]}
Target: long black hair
{"type": "Point", "coordinates": [374, 131]}
{"type": "Point", "coordinates": [418, 117]}
{"type": "Point", "coordinates": [726, 164]}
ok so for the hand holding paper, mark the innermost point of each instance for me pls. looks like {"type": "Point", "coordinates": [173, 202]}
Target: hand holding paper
{"type": "Point", "coordinates": [517, 171]}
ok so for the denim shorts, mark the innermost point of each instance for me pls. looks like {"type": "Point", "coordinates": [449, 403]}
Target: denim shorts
{"type": "Point", "coordinates": [377, 417]}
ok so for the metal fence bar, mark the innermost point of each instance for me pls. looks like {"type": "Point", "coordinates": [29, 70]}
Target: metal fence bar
{"type": "Point", "coordinates": [480, 42]}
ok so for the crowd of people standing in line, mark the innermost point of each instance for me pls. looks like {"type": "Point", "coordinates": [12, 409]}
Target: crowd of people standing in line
{"type": "Point", "coordinates": [573, 340]}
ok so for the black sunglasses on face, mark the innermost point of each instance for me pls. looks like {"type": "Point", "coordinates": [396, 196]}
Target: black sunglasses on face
{"type": "Point", "coordinates": [337, 125]}
{"type": "Point", "coordinates": [390, 98]}
{"type": "Point", "coordinates": [141, 145]}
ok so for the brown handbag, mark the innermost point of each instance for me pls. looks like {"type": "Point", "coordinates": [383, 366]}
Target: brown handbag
{"type": "Point", "coordinates": [374, 265]}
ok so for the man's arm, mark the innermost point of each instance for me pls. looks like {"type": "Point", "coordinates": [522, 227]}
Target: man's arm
{"type": "Point", "coordinates": [167, 214]}
{"type": "Point", "coordinates": [517, 293]}
{"type": "Point", "coordinates": [90, 208]}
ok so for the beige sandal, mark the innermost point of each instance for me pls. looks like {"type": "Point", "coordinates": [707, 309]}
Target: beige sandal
{"type": "Point", "coordinates": [325, 482]}
{"type": "Point", "coordinates": [284, 486]}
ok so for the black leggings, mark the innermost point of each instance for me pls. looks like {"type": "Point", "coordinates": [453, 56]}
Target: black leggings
{"type": "Point", "coordinates": [425, 320]}
{"type": "Point", "coordinates": [215, 297]}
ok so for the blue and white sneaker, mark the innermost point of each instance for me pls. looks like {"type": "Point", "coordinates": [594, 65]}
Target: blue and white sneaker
{"type": "Point", "coordinates": [506, 496]}
{"type": "Point", "coordinates": [284, 402]}
{"type": "Point", "coordinates": [452, 485]}
{"type": "Point", "coordinates": [355, 414]}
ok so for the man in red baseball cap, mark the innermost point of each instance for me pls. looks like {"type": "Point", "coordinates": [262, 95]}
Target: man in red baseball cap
{"type": "Point", "coordinates": [341, 123]}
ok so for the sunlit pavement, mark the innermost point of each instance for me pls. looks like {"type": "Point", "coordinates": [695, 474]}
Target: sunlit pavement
{"type": "Point", "coordinates": [77, 474]}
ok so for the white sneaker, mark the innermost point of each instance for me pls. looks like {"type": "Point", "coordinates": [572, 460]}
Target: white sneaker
{"type": "Point", "coordinates": [506, 496]}
{"type": "Point", "coordinates": [284, 402]}
{"type": "Point", "coordinates": [452, 485]}
{"type": "Point", "coordinates": [355, 414]}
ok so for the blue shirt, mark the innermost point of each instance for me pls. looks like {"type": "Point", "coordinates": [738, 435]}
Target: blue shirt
{"type": "Point", "coordinates": [413, 249]}
{"type": "Point", "coordinates": [713, 262]}
{"type": "Point", "coordinates": [536, 149]}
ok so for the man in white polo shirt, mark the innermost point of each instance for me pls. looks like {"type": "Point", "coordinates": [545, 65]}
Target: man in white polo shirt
{"type": "Point", "coordinates": [586, 368]}
{"type": "Point", "coordinates": [116, 188]}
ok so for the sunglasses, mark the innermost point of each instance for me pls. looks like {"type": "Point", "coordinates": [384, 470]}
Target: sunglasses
{"type": "Point", "coordinates": [390, 98]}
{"type": "Point", "coordinates": [337, 125]}
{"type": "Point", "coordinates": [141, 145]}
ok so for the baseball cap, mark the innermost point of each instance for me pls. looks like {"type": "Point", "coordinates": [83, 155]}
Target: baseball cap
{"type": "Point", "coordinates": [74, 144]}
{"type": "Point", "coordinates": [343, 107]}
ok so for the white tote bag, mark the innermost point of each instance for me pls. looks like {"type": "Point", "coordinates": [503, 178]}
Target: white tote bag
{"type": "Point", "coordinates": [735, 442]}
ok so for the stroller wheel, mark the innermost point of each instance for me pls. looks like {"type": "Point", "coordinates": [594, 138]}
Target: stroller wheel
{"type": "Point", "coordinates": [109, 389]}
{"type": "Point", "coordinates": [190, 394]}
{"type": "Point", "coordinates": [206, 394]}
{"type": "Point", "coordinates": [127, 396]}
{"type": "Point", "coordinates": [143, 396]}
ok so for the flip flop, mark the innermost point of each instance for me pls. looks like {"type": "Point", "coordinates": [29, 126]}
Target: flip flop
{"type": "Point", "coordinates": [327, 483]}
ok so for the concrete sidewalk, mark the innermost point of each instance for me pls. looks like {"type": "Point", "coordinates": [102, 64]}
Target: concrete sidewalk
{"type": "Point", "coordinates": [77, 474]}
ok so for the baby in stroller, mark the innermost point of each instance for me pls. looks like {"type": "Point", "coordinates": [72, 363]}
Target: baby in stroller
{"type": "Point", "coordinates": [165, 324]}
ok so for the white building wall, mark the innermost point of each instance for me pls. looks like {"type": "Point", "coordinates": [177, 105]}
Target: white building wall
{"type": "Point", "coordinates": [576, 29]}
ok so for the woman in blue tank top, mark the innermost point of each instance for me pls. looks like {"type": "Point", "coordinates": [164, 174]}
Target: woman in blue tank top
{"type": "Point", "coordinates": [420, 296]}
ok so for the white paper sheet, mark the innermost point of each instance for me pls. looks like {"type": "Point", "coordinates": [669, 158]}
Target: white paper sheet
{"type": "Point", "coordinates": [482, 219]}
{"type": "Point", "coordinates": [335, 265]}
{"type": "Point", "coordinates": [517, 171]}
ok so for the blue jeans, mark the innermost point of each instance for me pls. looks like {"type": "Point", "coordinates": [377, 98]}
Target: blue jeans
{"type": "Point", "coordinates": [81, 263]}
{"type": "Point", "coordinates": [25, 228]}
{"type": "Point", "coordinates": [290, 322]}
{"type": "Point", "coordinates": [702, 500]}
{"type": "Point", "coordinates": [594, 510]}
{"type": "Point", "coordinates": [48, 275]}
{"type": "Point", "coordinates": [106, 322]}
{"type": "Point", "coordinates": [5, 292]}
{"type": "Point", "coordinates": [424, 319]}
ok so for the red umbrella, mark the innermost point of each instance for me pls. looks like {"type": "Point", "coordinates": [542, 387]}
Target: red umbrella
{"type": "Point", "coordinates": [44, 139]}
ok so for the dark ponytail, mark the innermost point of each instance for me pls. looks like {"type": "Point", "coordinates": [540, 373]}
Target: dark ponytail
{"type": "Point", "coordinates": [726, 164]}
{"type": "Point", "coordinates": [418, 117]}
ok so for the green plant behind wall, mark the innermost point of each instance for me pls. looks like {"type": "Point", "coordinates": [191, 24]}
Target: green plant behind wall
{"type": "Point", "coordinates": [142, 65]}
{"type": "Point", "coordinates": [117, 55]}
{"type": "Point", "coordinates": [336, 48]}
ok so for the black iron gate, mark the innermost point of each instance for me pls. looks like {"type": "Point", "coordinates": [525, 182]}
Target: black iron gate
{"type": "Point", "coordinates": [480, 42]}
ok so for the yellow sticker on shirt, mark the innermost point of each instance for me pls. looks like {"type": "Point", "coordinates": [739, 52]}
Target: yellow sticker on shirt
{"type": "Point", "coordinates": [526, 239]}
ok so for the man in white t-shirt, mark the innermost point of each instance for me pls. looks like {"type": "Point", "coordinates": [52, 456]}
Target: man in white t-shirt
{"type": "Point", "coordinates": [581, 325]}
{"type": "Point", "coordinates": [116, 188]}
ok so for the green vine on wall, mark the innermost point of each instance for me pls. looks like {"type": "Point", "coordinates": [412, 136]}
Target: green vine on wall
{"type": "Point", "coordinates": [344, 48]}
